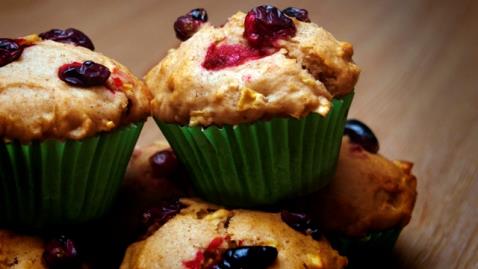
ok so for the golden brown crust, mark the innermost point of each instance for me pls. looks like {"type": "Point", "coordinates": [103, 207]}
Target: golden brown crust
{"type": "Point", "coordinates": [36, 105]}
{"type": "Point", "coordinates": [368, 193]}
{"type": "Point", "coordinates": [196, 226]}
{"type": "Point", "coordinates": [286, 83]}
{"type": "Point", "coordinates": [20, 252]}
{"type": "Point", "coordinates": [327, 59]}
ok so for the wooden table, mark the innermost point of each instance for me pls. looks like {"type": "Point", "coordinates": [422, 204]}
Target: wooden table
{"type": "Point", "coordinates": [418, 90]}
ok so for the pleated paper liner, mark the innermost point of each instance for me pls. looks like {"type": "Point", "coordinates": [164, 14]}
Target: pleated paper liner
{"type": "Point", "coordinates": [54, 182]}
{"type": "Point", "coordinates": [367, 249]}
{"type": "Point", "coordinates": [264, 162]}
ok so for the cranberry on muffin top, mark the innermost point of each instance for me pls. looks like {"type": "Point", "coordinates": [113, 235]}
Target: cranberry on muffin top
{"type": "Point", "coordinates": [259, 65]}
{"type": "Point", "coordinates": [56, 87]}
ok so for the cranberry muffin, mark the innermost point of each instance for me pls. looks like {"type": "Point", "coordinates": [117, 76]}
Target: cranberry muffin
{"type": "Point", "coordinates": [242, 104]}
{"type": "Point", "coordinates": [69, 120]}
{"type": "Point", "coordinates": [370, 199]}
{"type": "Point", "coordinates": [206, 236]}
{"type": "Point", "coordinates": [32, 252]}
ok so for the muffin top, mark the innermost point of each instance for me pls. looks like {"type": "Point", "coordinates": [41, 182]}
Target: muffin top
{"type": "Point", "coordinates": [64, 90]}
{"type": "Point", "coordinates": [368, 193]}
{"type": "Point", "coordinates": [20, 252]}
{"type": "Point", "coordinates": [256, 66]}
{"type": "Point", "coordinates": [203, 235]}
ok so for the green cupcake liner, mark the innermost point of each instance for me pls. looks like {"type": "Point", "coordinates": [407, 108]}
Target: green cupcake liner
{"type": "Point", "coordinates": [49, 183]}
{"type": "Point", "coordinates": [264, 162]}
{"type": "Point", "coordinates": [367, 248]}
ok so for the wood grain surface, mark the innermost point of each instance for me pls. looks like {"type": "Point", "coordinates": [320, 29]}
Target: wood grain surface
{"type": "Point", "coordinates": [418, 90]}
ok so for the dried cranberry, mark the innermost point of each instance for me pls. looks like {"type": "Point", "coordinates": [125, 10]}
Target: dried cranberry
{"type": "Point", "coordinates": [298, 13]}
{"type": "Point", "coordinates": [61, 253]}
{"type": "Point", "coordinates": [266, 24]}
{"type": "Point", "coordinates": [164, 164]}
{"type": "Point", "coordinates": [187, 25]}
{"type": "Point", "coordinates": [219, 57]}
{"type": "Point", "coordinates": [10, 50]}
{"type": "Point", "coordinates": [70, 36]}
{"type": "Point", "coordinates": [359, 133]}
{"type": "Point", "coordinates": [302, 223]}
{"type": "Point", "coordinates": [257, 257]}
{"type": "Point", "coordinates": [87, 74]}
{"type": "Point", "coordinates": [157, 216]}
{"type": "Point", "coordinates": [199, 14]}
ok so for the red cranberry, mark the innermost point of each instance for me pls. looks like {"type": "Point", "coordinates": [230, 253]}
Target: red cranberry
{"type": "Point", "coordinates": [266, 24]}
{"type": "Point", "coordinates": [61, 253]}
{"type": "Point", "coordinates": [70, 36]}
{"type": "Point", "coordinates": [219, 57]}
{"type": "Point", "coordinates": [257, 257]}
{"type": "Point", "coordinates": [298, 13]}
{"type": "Point", "coordinates": [164, 164]}
{"type": "Point", "coordinates": [199, 14]}
{"type": "Point", "coordinates": [359, 133]}
{"type": "Point", "coordinates": [187, 25]}
{"type": "Point", "coordinates": [10, 51]}
{"type": "Point", "coordinates": [87, 74]}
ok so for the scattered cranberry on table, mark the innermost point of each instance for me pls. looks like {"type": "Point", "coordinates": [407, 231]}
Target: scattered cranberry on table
{"type": "Point", "coordinates": [69, 36]}
{"type": "Point", "coordinates": [87, 74]}
{"type": "Point", "coordinates": [359, 133]}
{"type": "Point", "coordinates": [298, 13]}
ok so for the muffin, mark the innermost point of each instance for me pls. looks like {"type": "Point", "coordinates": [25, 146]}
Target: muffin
{"type": "Point", "coordinates": [20, 252]}
{"type": "Point", "coordinates": [370, 199]}
{"type": "Point", "coordinates": [153, 183]}
{"type": "Point", "coordinates": [206, 236]}
{"type": "Point", "coordinates": [33, 252]}
{"type": "Point", "coordinates": [255, 108]}
{"type": "Point", "coordinates": [153, 175]}
{"type": "Point", "coordinates": [69, 120]}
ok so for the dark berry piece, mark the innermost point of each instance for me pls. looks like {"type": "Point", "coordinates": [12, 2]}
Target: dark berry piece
{"type": "Point", "coordinates": [254, 257]}
{"type": "Point", "coordinates": [187, 25]}
{"type": "Point", "coordinates": [199, 14]}
{"type": "Point", "coordinates": [266, 24]}
{"type": "Point", "coordinates": [298, 221]}
{"type": "Point", "coordinates": [87, 74]}
{"type": "Point", "coordinates": [70, 36]}
{"type": "Point", "coordinates": [298, 13]}
{"type": "Point", "coordinates": [361, 134]}
{"type": "Point", "coordinates": [61, 253]}
{"type": "Point", "coordinates": [302, 223]}
{"type": "Point", "coordinates": [164, 164]}
{"type": "Point", "coordinates": [154, 218]}
{"type": "Point", "coordinates": [10, 51]}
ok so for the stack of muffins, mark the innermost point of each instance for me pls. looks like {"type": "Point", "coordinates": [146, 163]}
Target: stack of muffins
{"type": "Point", "coordinates": [255, 113]}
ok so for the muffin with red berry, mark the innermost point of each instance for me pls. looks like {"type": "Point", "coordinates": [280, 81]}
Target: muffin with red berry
{"type": "Point", "coordinates": [255, 108]}
{"type": "Point", "coordinates": [69, 120]}
{"type": "Point", "coordinates": [202, 235]}
{"type": "Point", "coordinates": [33, 252]}
{"type": "Point", "coordinates": [370, 199]}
